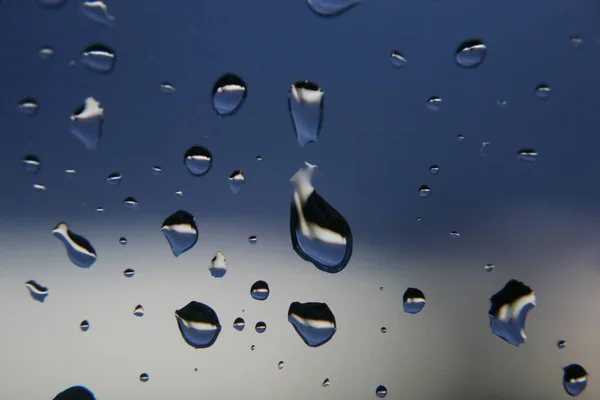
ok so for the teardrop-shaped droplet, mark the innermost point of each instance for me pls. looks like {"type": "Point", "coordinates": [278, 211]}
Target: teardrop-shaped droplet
{"type": "Point", "coordinates": [314, 322]}
{"type": "Point", "coordinates": [228, 94]}
{"type": "Point", "coordinates": [260, 290]}
{"type": "Point", "coordinates": [381, 391]}
{"type": "Point", "coordinates": [99, 58]}
{"type": "Point", "coordinates": [31, 164]}
{"type": "Point", "coordinates": [331, 7]}
{"type": "Point", "coordinates": [84, 325]}
{"type": "Point", "coordinates": [561, 344]}
{"type": "Point", "coordinates": [75, 393]}
{"type": "Point", "coordinates": [434, 103]}
{"type": "Point", "coordinates": [199, 324]}
{"type": "Point", "coordinates": [28, 106]}
{"type": "Point", "coordinates": [398, 60]}
{"type": "Point", "coordinates": [543, 91]}
{"type": "Point", "coordinates": [413, 301]}
{"type": "Point", "coordinates": [471, 53]}
{"type": "Point", "coordinates": [97, 11]}
{"type": "Point", "coordinates": [144, 377]}
{"type": "Point", "coordinates": [114, 179]}
{"type": "Point", "coordinates": [260, 327]}
{"type": "Point", "coordinates": [138, 310]}
{"type": "Point", "coordinates": [37, 291]}
{"type": "Point", "coordinates": [236, 181]}
{"type": "Point", "coordinates": [218, 265]}
{"type": "Point", "coordinates": [527, 154]}
{"type": "Point", "coordinates": [424, 191]}
{"type": "Point", "coordinates": [575, 379]}
{"type": "Point", "coordinates": [181, 231]}
{"type": "Point", "coordinates": [86, 123]}
{"type": "Point", "coordinates": [79, 249]}
{"type": "Point", "coordinates": [305, 104]}
{"type": "Point", "coordinates": [129, 273]}
{"type": "Point", "coordinates": [239, 324]}
{"type": "Point", "coordinates": [198, 160]}
{"type": "Point", "coordinates": [319, 233]}
{"type": "Point", "coordinates": [508, 311]}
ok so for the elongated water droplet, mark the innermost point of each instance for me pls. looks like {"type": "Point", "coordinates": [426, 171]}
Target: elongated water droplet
{"type": "Point", "coordinates": [167, 87]}
{"type": "Point", "coordinates": [70, 172]}
{"type": "Point", "coordinates": [413, 301]}
{"type": "Point", "coordinates": [543, 91]}
{"type": "Point", "coordinates": [561, 344]}
{"type": "Point", "coordinates": [319, 233]}
{"type": "Point", "coordinates": [305, 104]}
{"type": "Point", "coordinates": [260, 290]}
{"type": "Point", "coordinates": [84, 325]}
{"type": "Point", "coordinates": [381, 391]}
{"type": "Point", "coordinates": [46, 53]}
{"type": "Point", "coordinates": [280, 365]}
{"type": "Point", "coordinates": [129, 273]}
{"type": "Point", "coordinates": [199, 324]}
{"type": "Point", "coordinates": [218, 265]}
{"type": "Point", "coordinates": [138, 310]}
{"type": "Point", "coordinates": [424, 191]}
{"type": "Point", "coordinates": [508, 311]}
{"type": "Point", "coordinates": [79, 249]}
{"type": "Point", "coordinates": [434, 103]}
{"type": "Point", "coordinates": [157, 170]}
{"type": "Point", "coordinates": [28, 106]}
{"type": "Point", "coordinates": [37, 291]}
{"type": "Point", "coordinates": [144, 377]}
{"type": "Point", "coordinates": [75, 393]}
{"type": "Point", "coordinates": [86, 123]}
{"type": "Point", "coordinates": [97, 11]}
{"type": "Point", "coordinates": [228, 94]}
{"type": "Point", "coordinates": [114, 179]}
{"type": "Point", "coordinates": [471, 53]}
{"type": "Point", "coordinates": [181, 231]}
{"type": "Point", "coordinates": [236, 181]}
{"type": "Point", "coordinates": [331, 7]}
{"type": "Point", "coordinates": [198, 160]}
{"type": "Point", "coordinates": [575, 379]}
{"type": "Point", "coordinates": [100, 210]}
{"type": "Point", "coordinates": [260, 327]}
{"type": "Point", "coordinates": [239, 324]}
{"type": "Point", "coordinates": [39, 187]}
{"type": "Point", "coordinates": [99, 58]}
{"type": "Point", "coordinates": [527, 154]}
{"type": "Point", "coordinates": [31, 164]}
{"type": "Point", "coordinates": [314, 322]}
{"type": "Point", "coordinates": [398, 60]}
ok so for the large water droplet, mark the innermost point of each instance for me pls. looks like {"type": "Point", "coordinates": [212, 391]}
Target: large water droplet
{"type": "Point", "coordinates": [326, 382]}
{"type": "Point", "coordinates": [305, 104]}
{"type": "Point", "coordinates": [79, 249]}
{"type": "Point", "coordinates": [218, 265]}
{"type": "Point", "coordinates": [181, 231]}
{"type": "Point", "coordinates": [319, 233]}
{"type": "Point", "coordinates": [37, 291]}
{"type": "Point", "coordinates": [86, 123]}
{"type": "Point", "coordinates": [28, 106]}
{"type": "Point", "coordinates": [129, 273]}
{"type": "Point", "coordinates": [75, 393]}
{"type": "Point", "coordinates": [413, 301]}
{"type": "Point", "coordinates": [471, 53]}
{"type": "Point", "coordinates": [99, 58]}
{"type": "Point", "coordinates": [331, 7]}
{"type": "Point", "coordinates": [527, 154]}
{"type": "Point", "coordinates": [575, 379]}
{"type": "Point", "coordinates": [114, 178]}
{"type": "Point", "coordinates": [199, 324]}
{"type": "Point", "coordinates": [314, 322]}
{"type": "Point", "coordinates": [424, 191]}
{"type": "Point", "coordinates": [228, 94]}
{"type": "Point", "coordinates": [260, 327]}
{"type": "Point", "coordinates": [97, 11]}
{"type": "Point", "coordinates": [198, 160]}
{"type": "Point", "coordinates": [31, 164]}
{"type": "Point", "coordinates": [561, 344]}
{"type": "Point", "coordinates": [398, 60]}
{"type": "Point", "coordinates": [239, 324]}
{"type": "Point", "coordinates": [84, 325]}
{"type": "Point", "coordinates": [236, 181]}
{"type": "Point", "coordinates": [45, 53]}
{"type": "Point", "coordinates": [434, 103]}
{"type": "Point", "coordinates": [260, 290]}
{"type": "Point", "coordinates": [138, 310]}
{"type": "Point", "coordinates": [508, 311]}
{"type": "Point", "coordinates": [381, 391]}
{"type": "Point", "coordinates": [144, 377]}
{"type": "Point", "coordinates": [543, 91]}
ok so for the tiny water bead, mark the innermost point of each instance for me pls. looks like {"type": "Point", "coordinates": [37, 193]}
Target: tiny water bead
{"type": "Point", "coordinates": [31, 164]}
{"type": "Point", "coordinates": [218, 265]}
{"type": "Point", "coordinates": [259, 159]}
{"type": "Point", "coordinates": [99, 58]}
{"type": "Point", "coordinates": [383, 329]}
{"type": "Point", "coordinates": [28, 106]}
{"type": "Point", "coordinates": [502, 103]}
{"type": "Point", "coordinates": [198, 324]}
{"type": "Point", "coordinates": [123, 241]}
{"type": "Point", "coordinates": [100, 210]}
{"type": "Point", "coordinates": [84, 325]}
{"type": "Point", "coordinates": [37, 291]}
{"type": "Point", "coordinates": [381, 391]}
{"type": "Point", "coordinates": [280, 365]}
{"type": "Point", "coordinates": [138, 310]}
{"type": "Point", "coordinates": [454, 235]}
{"type": "Point", "coordinates": [70, 172]}
{"type": "Point", "coordinates": [314, 322]}
{"type": "Point", "coordinates": [489, 267]}
{"type": "Point", "coordinates": [181, 232]}
{"type": "Point", "coordinates": [434, 103]}
{"type": "Point", "coordinates": [413, 301]}
{"type": "Point", "coordinates": [326, 382]}
{"type": "Point", "coordinates": [114, 179]}
{"type": "Point", "coordinates": [252, 239]}
{"type": "Point", "coordinates": [434, 169]}
{"type": "Point", "coordinates": [228, 94]}
{"type": "Point", "coordinates": [305, 105]}
{"type": "Point", "coordinates": [39, 187]}
{"type": "Point", "coordinates": [144, 377]}
{"type": "Point", "coordinates": [45, 53]}
{"type": "Point", "coordinates": [460, 138]}
{"type": "Point", "coordinates": [75, 393]}
{"type": "Point", "coordinates": [508, 311]}
{"type": "Point", "coordinates": [236, 181]}
{"type": "Point", "coordinates": [79, 250]}
{"type": "Point", "coordinates": [253, 347]}
{"type": "Point", "coordinates": [197, 160]}
{"type": "Point", "coordinates": [130, 203]}
{"type": "Point", "coordinates": [260, 290]}
{"type": "Point", "coordinates": [527, 154]}
{"type": "Point", "coordinates": [167, 87]}
{"type": "Point", "coordinates": [86, 123]}
{"type": "Point", "coordinates": [157, 170]}
{"type": "Point", "coordinates": [331, 7]}
{"type": "Point", "coordinates": [97, 11]}
{"type": "Point", "coordinates": [471, 53]}
{"type": "Point", "coordinates": [129, 273]}
{"type": "Point", "coordinates": [179, 193]}
{"type": "Point", "coordinates": [260, 327]}
{"type": "Point", "coordinates": [575, 379]}
{"type": "Point", "coordinates": [543, 91]}
{"type": "Point", "coordinates": [576, 41]}
{"type": "Point", "coordinates": [239, 324]}
{"type": "Point", "coordinates": [561, 344]}
{"type": "Point", "coordinates": [424, 191]}
{"type": "Point", "coordinates": [398, 60]}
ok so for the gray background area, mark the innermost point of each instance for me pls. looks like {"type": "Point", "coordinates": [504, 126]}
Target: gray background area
{"type": "Point", "coordinates": [538, 222]}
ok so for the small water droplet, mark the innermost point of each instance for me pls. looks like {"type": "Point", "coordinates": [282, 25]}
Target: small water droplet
{"type": "Point", "coordinates": [218, 265]}
{"type": "Point", "coordinates": [413, 301]}
{"type": "Point", "coordinates": [236, 181]}
{"type": "Point", "coordinates": [380, 287]}
{"type": "Point", "coordinates": [575, 379]}
{"type": "Point", "coordinates": [99, 58]}
{"type": "Point", "coordinates": [331, 7]}
{"type": "Point", "coordinates": [31, 164]}
{"type": "Point", "coordinates": [398, 60]}
{"type": "Point", "coordinates": [576, 41]}
{"type": "Point", "coordinates": [198, 160]}
{"type": "Point", "coordinates": [39, 187]}
{"type": "Point", "coordinates": [508, 311]}
{"type": "Point", "coordinates": [123, 241]}
{"type": "Point", "coordinates": [195, 369]}
{"type": "Point", "coordinates": [84, 325]}
{"type": "Point", "coordinates": [383, 329]}
{"type": "Point", "coordinates": [305, 105]}
{"type": "Point", "coordinates": [100, 210]}
{"type": "Point", "coordinates": [179, 193]}
{"type": "Point", "coordinates": [260, 290]}
{"type": "Point", "coordinates": [460, 138]}
{"type": "Point", "coordinates": [259, 159]}
{"type": "Point", "coordinates": [97, 11]}
{"type": "Point", "coordinates": [419, 219]}
{"type": "Point", "coordinates": [543, 91]}
{"type": "Point", "coordinates": [260, 327]}
{"type": "Point", "coordinates": [144, 377]}
{"type": "Point", "coordinates": [489, 267]}
{"type": "Point", "coordinates": [252, 239]}
{"type": "Point", "coordinates": [199, 324]}
{"type": "Point", "coordinates": [79, 250]}
{"type": "Point", "coordinates": [381, 391]}
{"type": "Point", "coordinates": [434, 103]}
{"type": "Point", "coordinates": [527, 154]}
{"type": "Point", "coordinates": [424, 191]}
{"type": "Point", "coordinates": [471, 53]}
{"type": "Point", "coordinates": [561, 344]}
{"type": "Point", "coordinates": [454, 234]}
{"type": "Point", "coordinates": [434, 169]}
{"type": "Point", "coordinates": [76, 393]}
{"type": "Point", "coordinates": [228, 94]}
{"type": "Point", "coordinates": [167, 87]}
{"type": "Point", "coordinates": [28, 106]}
{"type": "Point", "coordinates": [502, 103]}
{"type": "Point", "coordinates": [157, 170]}
{"type": "Point", "coordinates": [45, 53]}
{"type": "Point", "coordinates": [114, 179]}
{"type": "Point", "coordinates": [130, 203]}
{"type": "Point", "coordinates": [86, 123]}
{"type": "Point", "coordinates": [253, 347]}
{"type": "Point", "coordinates": [181, 231]}
{"type": "Point", "coordinates": [70, 172]}
{"type": "Point", "coordinates": [129, 273]}
{"type": "Point", "coordinates": [326, 382]}
{"type": "Point", "coordinates": [280, 365]}
{"type": "Point", "coordinates": [239, 324]}
{"type": "Point", "coordinates": [138, 311]}
{"type": "Point", "coordinates": [314, 322]}
{"type": "Point", "coordinates": [37, 291]}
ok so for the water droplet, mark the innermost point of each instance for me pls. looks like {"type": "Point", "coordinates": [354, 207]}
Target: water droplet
{"type": "Point", "coordinates": [138, 311]}
{"type": "Point", "coordinates": [381, 391]}
{"type": "Point", "coordinates": [75, 393]}
{"type": "Point", "coordinates": [114, 178]}
{"type": "Point", "coordinates": [236, 181]}
{"type": "Point", "coordinates": [52, 3]}
{"type": "Point", "coordinates": [167, 87]}
{"type": "Point", "coordinates": [314, 322]}
{"type": "Point", "coordinates": [502, 103]}
{"type": "Point", "coordinates": [31, 164]}
{"type": "Point", "coordinates": [398, 60]}
{"type": "Point", "coordinates": [471, 53]}
{"type": "Point", "coordinates": [280, 365]}
{"type": "Point", "coordinates": [252, 239]}
{"type": "Point", "coordinates": [144, 377]}
{"type": "Point", "coordinates": [129, 273]}
{"type": "Point", "coordinates": [489, 267]}
{"type": "Point", "coordinates": [45, 53]}
{"type": "Point", "coordinates": [383, 329]}
{"type": "Point", "coordinates": [380, 287]}
{"type": "Point", "coordinates": [575, 379]}
{"type": "Point", "coordinates": [99, 58]}
{"type": "Point", "coordinates": [218, 266]}
{"type": "Point", "coordinates": [305, 104]}
{"type": "Point", "coordinates": [460, 138]}
{"type": "Point", "coordinates": [259, 159]}
{"type": "Point", "coordinates": [561, 344]}
{"type": "Point", "coordinates": [319, 233]}
{"type": "Point", "coordinates": [79, 249]}
{"type": "Point", "coordinates": [37, 291]}
{"type": "Point", "coordinates": [543, 91]}
{"type": "Point", "coordinates": [97, 11]}
{"type": "Point", "coordinates": [228, 94]}
{"type": "Point", "coordinates": [39, 187]}
{"type": "Point", "coordinates": [100, 210]}
{"type": "Point", "coordinates": [157, 170]}
{"type": "Point", "coordinates": [260, 327]}
{"type": "Point", "coordinates": [198, 160]}
{"type": "Point", "coordinates": [434, 169]}
{"type": "Point", "coordinates": [454, 235]}
{"type": "Point", "coordinates": [181, 231]}
{"type": "Point", "coordinates": [527, 154]}
{"type": "Point", "coordinates": [419, 219]}
{"type": "Point", "coordinates": [413, 301]}
{"type": "Point", "coordinates": [179, 193]}
{"type": "Point", "coordinates": [424, 191]}
{"type": "Point", "coordinates": [28, 106]}
{"type": "Point", "coordinates": [508, 311]}
{"type": "Point", "coordinates": [195, 369]}
{"type": "Point", "coordinates": [130, 203]}
{"type": "Point", "coordinates": [239, 324]}
{"type": "Point", "coordinates": [84, 326]}
{"type": "Point", "coordinates": [483, 149]}
{"type": "Point", "coordinates": [70, 172]}
{"type": "Point", "coordinates": [86, 123]}
{"type": "Point", "coordinates": [123, 241]}
{"type": "Point", "coordinates": [260, 290]}
{"type": "Point", "coordinates": [199, 324]}
{"type": "Point", "coordinates": [576, 41]}
{"type": "Point", "coordinates": [253, 347]}
{"type": "Point", "coordinates": [331, 7]}
{"type": "Point", "coordinates": [326, 382]}
{"type": "Point", "coordinates": [434, 103]}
